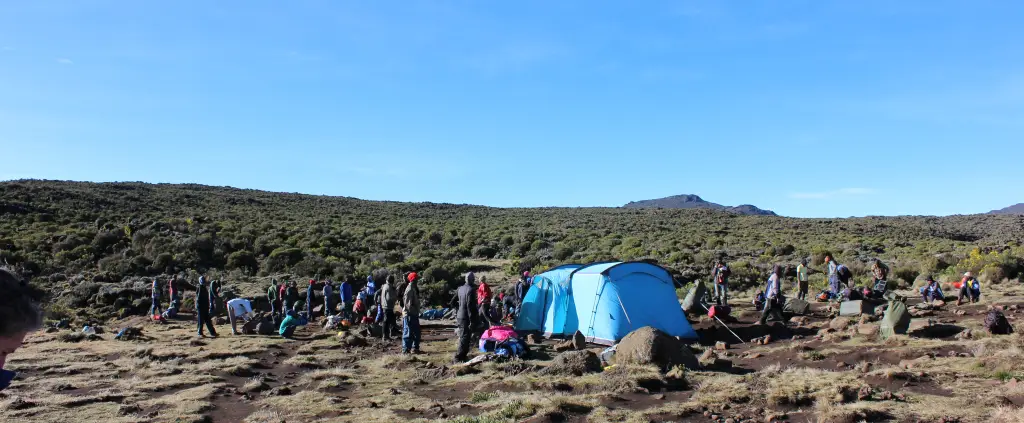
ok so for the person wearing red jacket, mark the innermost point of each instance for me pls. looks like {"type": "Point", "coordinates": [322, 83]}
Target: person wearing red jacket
{"type": "Point", "coordinates": [483, 299]}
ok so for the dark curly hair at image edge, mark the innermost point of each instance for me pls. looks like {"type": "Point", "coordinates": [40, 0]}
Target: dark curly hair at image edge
{"type": "Point", "coordinates": [19, 314]}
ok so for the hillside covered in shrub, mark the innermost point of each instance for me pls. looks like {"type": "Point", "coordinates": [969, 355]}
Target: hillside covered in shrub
{"type": "Point", "coordinates": [67, 233]}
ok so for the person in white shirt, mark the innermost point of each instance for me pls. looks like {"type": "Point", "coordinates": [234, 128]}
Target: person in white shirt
{"type": "Point", "coordinates": [773, 296]}
{"type": "Point", "coordinates": [238, 309]}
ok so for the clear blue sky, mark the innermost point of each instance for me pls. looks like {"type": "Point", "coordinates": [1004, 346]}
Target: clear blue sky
{"type": "Point", "coordinates": [808, 108]}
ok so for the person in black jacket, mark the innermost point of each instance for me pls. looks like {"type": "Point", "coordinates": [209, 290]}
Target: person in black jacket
{"type": "Point", "coordinates": [310, 295]}
{"type": "Point", "coordinates": [19, 315]}
{"type": "Point", "coordinates": [465, 301]}
{"type": "Point", "coordinates": [214, 298]}
{"type": "Point", "coordinates": [203, 308]}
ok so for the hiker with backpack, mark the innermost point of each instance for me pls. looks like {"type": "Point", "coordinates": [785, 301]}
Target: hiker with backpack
{"type": "Point", "coordinates": [721, 275]}
{"type": "Point", "coordinates": [773, 298]}
{"type": "Point", "coordinates": [970, 289]}
{"type": "Point", "coordinates": [931, 291]}
{"type": "Point", "coordinates": [155, 309]}
{"type": "Point", "coordinates": [801, 280]}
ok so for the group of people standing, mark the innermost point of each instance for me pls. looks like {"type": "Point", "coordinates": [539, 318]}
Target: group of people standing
{"type": "Point", "coordinates": [207, 301]}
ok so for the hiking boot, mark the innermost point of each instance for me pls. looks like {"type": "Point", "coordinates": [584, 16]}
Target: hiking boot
{"type": "Point", "coordinates": [416, 351]}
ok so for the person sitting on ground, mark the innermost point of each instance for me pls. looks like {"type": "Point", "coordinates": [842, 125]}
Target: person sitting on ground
{"type": "Point", "coordinates": [773, 299]}
{"type": "Point", "coordinates": [291, 321]}
{"type": "Point", "coordinates": [970, 289]}
{"type": "Point", "coordinates": [369, 318]}
{"type": "Point", "coordinates": [239, 309]}
{"type": "Point", "coordinates": [19, 315]}
{"type": "Point", "coordinates": [931, 291]}
{"type": "Point", "coordinates": [359, 307]}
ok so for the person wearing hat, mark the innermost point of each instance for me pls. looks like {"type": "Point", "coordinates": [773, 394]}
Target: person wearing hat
{"type": "Point", "coordinates": [521, 289]}
{"type": "Point", "coordinates": [931, 291]}
{"type": "Point", "coordinates": [411, 316]}
{"type": "Point", "coordinates": [345, 291]}
{"type": "Point", "coordinates": [203, 316]}
{"type": "Point", "coordinates": [801, 280]}
{"type": "Point", "coordinates": [970, 289]}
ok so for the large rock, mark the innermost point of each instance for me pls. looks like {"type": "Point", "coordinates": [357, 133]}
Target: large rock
{"type": "Point", "coordinates": [691, 303]}
{"type": "Point", "coordinates": [573, 363]}
{"type": "Point", "coordinates": [649, 346]}
{"type": "Point", "coordinates": [839, 323]}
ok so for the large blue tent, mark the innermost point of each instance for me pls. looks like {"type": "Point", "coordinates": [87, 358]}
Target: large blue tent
{"type": "Point", "coordinates": [548, 294]}
{"type": "Point", "coordinates": [604, 301]}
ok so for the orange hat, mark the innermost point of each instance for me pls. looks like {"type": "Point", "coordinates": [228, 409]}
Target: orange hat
{"type": "Point", "coordinates": [412, 276]}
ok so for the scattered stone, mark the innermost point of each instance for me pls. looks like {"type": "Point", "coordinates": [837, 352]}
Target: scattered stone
{"type": "Point", "coordinates": [868, 329]}
{"type": "Point", "coordinates": [839, 323]}
{"type": "Point", "coordinates": [939, 303]}
{"type": "Point", "coordinates": [864, 393]}
{"type": "Point", "coordinates": [280, 391]}
{"type": "Point", "coordinates": [714, 417]}
{"type": "Point", "coordinates": [579, 342]}
{"type": "Point", "coordinates": [128, 409]}
{"type": "Point", "coordinates": [574, 363]}
{"type": "Point", "coordinates": [965, 334]}
{"type": "Point", "coordinates": [534, 338]}
{"type": "Point", "coordinates": [707, 413]}
{"type": "Point", "coordinates": [864, 367]}
{"type": "Point", "coordinates": [373, 405]}
{"type": "Point", "coordinates": [721, 346]}
{"type": "Point", "coordinates": [841, 364]}
{"type": "Point", "coordinates": [960, 312]}
{"type": "Point", "coordinates": [708, 355]}
{"type": "Point", "coordinates": [754, 355]}
{"type": "Point", "coordinates": [19, 403]}
{"type": "Point", "coordinates": [798, 337]}
{"type": "Point", "coordinates": [659, 397]}
{"type": "Point", "coordinates": [886, 396]}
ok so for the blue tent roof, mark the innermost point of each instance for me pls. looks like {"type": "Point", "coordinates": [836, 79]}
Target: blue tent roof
{"type": "Point", "coordinates": [605, 301]}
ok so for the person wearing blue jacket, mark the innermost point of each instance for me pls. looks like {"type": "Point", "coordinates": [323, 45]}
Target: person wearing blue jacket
{"type": "Point", "coordinates": [345, 291]}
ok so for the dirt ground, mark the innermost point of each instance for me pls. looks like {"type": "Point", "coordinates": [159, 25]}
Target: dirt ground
{"type": "Point", "coordinates": [805, 373]}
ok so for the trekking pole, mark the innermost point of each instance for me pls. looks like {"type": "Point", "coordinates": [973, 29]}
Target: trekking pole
{"type": "Point", "coordinates": [724, 325]}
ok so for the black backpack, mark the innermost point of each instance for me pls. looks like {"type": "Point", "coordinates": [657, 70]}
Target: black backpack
{"type": "Point", "coordinates": [997, 324]}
